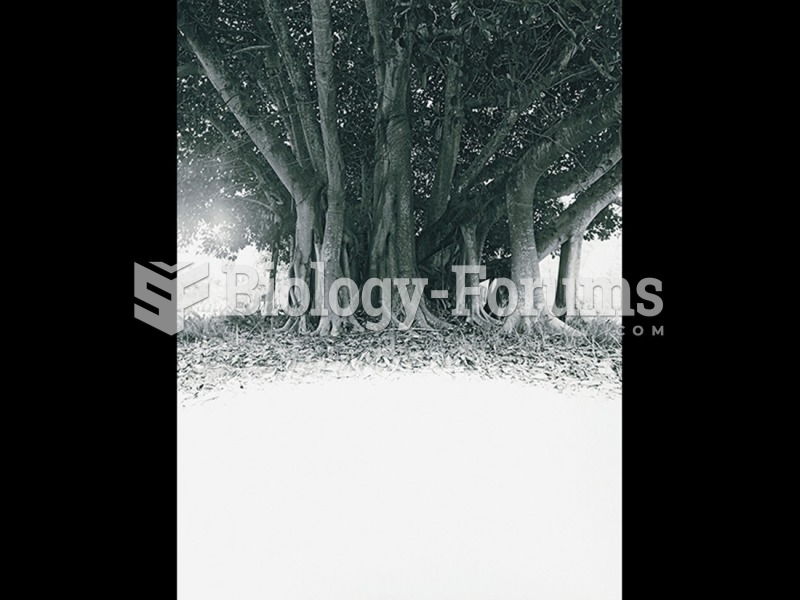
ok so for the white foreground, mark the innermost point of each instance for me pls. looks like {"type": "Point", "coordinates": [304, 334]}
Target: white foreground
{"type": "Point", "coordinates": [420, 488]}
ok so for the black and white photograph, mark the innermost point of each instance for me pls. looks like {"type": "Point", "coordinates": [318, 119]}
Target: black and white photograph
{"type": "Point", "coordinates": [398, 305]}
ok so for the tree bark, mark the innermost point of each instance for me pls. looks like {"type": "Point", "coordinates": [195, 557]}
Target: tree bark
{"type": "Point", "coordinates": [441, 233]}
{"type": "Point", "coordinates": [449, 146]}
{"type": "Point", "coordinates": [301, 183]}
{"type": "Point", "coordinates": [334, 164]}
{"type": "Point", "coordinates": [277, 199]}
{"type": "Point", "coordinates": [569, 266]}
{"type": "Point", "coordinates": [471, 246]}
{"type": "Point", "coordinates": [452, 123]}
{"type": "Point", "coordinates": [510, 119]}
{"type": "Point", "coordinates": [579, 215]}
{"type": "Point", "coordinates": [299, 85]}
{"type": "Point", "coordinates": [392, 252]}
{"type": "Point", "coordinates": [520, 189]}
{"type": "Point", "coordinates": [275, 84]}
{"type": "Point", "coordinates": [572, 225]}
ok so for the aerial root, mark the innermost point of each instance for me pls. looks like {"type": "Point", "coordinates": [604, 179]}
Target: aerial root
{"type": "Point", "coordinates": [558, 326]}
{"type": "Point", "coordinates": [333, 325]}
{"type": "Point", "coordinates": [290, 326]}
{"type": "Point", "coordinates": [516, 323]}
{"type": "Point", "coordinates": [431, 319]}
{"type": "Point", "coordinates": [482, 319]}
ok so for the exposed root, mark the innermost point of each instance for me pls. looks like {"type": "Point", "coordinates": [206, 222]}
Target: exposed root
{"type": "Point", "coordinates": [513, 323]}
{"type": "Point", "coordinates": [516, 323]}
{"type": "Point", "coordinates": [354, 324]}
{"type": "Point", "coordinates": [290, 326]}
{"type": "Point", "coordinates": [327, 326]}
{"type": "Point", "coordinates": [419, 322]}
{"type": "Point", "coordinates": [480, 322]}
{"type": "Point", "coordinates": [424, 319]}
{"type": "Point", "coordinates": [333, 325]}
{"type": "Point", "coordinates": [481, 318]}
{"type": "Point", "coordinates": [295, 325]}
{"type": "Point", "coordinates": [431, 318]}
{"type": "Point", "coordinates": [303, 328]}
{"type": "Point", "coordinates": [440, 303]}
{"type": "Point", "coordinates": [558, 326]}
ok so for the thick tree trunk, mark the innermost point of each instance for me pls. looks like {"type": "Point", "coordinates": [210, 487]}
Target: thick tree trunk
{"type": "Point", "coordinates": [392, 252]}
{"type": "Point", "coordinates": [303, 185]}
{"type": "Point", "coordinates": [299, 84]}
{"type": "Point", "coordinates": [302, 256]}
{"type": "Point", "coordinates": [471, 247]}
{"type": "Point", "coordinates": [275, 84]}
{"type": "Point", "coordinates": [569, 266]}
{"type": "Point", "coordinates": [452, 123]}
{"type": "Point", "coordinates": [520, 189]}
{"type": "Point", "coordinates": [452, 119]}
{"type": "Point", "coordinates": [334, 165]}
{"type": "Point", "coordinates": [569, 231]}
{"type": "Point", "coordinates": [524, 257]}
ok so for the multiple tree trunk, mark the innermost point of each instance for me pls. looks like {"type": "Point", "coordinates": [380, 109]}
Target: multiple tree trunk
{"type": "Point", "coordinates": [311, 167]}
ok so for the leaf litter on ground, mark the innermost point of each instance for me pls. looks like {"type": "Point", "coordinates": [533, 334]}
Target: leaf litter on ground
{"type": "Point", "coordinates": [205, 363]}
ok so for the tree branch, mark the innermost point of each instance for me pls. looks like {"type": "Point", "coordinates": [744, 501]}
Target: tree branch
{"type": "Point", "coordinates": [299, 84]}
{"type": "Point", "coordinates": [270, 185]}
{"type": "Point", "coordinates": [579, 215]}
{"type": "Point", "coordinates": [273, 81]}
{"type": "Point", "coordinates": [452, 122]}
{"type": "Point", "coordinates": [566, 183]}
{"type": "Point", "coordinates": [298, 181]}
{"type": "Point", "coordinates": [189, 69]}
{"type": "Point", "coordinates": [440, 234]}
{"type": "Point", "coordinates": [510, 119]}
{"type": "Point", "coordinates": [564, 136]}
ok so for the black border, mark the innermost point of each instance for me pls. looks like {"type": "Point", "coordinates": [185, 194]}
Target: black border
{"type": "Point", "coordinates": [141, 477]}
{"type": "Point", "coordinates": [145, 453]}
{"type": "Point", "coordinates": [662, 540]}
